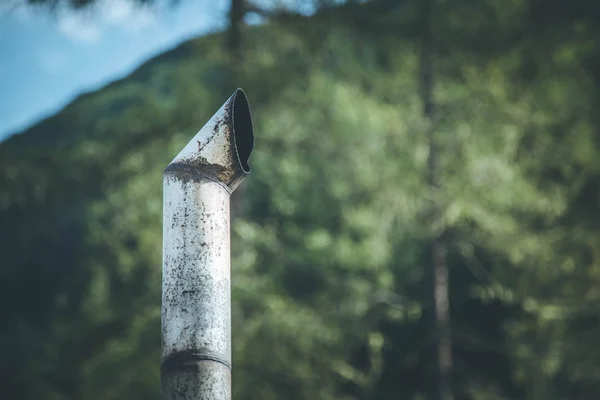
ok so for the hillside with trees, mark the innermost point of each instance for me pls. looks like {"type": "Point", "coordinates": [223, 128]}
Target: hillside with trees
{"type": "Point", "coordinates": [420, 221]}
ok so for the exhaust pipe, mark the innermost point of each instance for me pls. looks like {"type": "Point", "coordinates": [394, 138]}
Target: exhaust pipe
{"type": "Point", "coordinates": [196, 282]}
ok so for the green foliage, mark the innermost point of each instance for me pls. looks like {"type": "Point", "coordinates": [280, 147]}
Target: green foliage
{"type": "Point", "coordinates": [330, 269]}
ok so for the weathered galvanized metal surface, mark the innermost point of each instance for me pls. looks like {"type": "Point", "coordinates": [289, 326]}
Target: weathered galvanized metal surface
{"type": "Point", "coordinates": [217, 152]}
{"type": "Point", "coordinates": [196, 297]}
{"type": "Point", "coordinates": [207, 381]}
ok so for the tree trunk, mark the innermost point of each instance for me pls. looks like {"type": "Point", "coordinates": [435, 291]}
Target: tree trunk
{"type": "Point", "coordinates": [440, 289]}
{"type": "Point", "coordinates": [235, 43]}
{"type": "Point", "coordinates": [236, 47]}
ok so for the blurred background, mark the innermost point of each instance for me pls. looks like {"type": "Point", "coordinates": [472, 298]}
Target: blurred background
{"type": "Point", "coordinates": [421, 220]}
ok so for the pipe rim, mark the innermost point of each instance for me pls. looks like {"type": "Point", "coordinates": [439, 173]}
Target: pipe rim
{"type": "Point", "coordinates": [243, 129]}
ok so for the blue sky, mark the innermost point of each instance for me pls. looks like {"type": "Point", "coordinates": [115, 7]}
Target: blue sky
{"type": "Point", "coordinates": [46, 61]}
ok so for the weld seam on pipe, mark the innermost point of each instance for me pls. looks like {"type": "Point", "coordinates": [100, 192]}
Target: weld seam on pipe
{"type": "Point", "coordinates": [186, 360]}
{"type": "Point", "coordinates": [194, 174]}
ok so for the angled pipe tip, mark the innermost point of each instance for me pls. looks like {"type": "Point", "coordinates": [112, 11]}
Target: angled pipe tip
{"type": "Point", "coordinates": [221, 150]}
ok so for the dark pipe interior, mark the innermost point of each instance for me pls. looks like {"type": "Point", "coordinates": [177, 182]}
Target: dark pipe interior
{"type": "Point", "coordinates": [243, 132]}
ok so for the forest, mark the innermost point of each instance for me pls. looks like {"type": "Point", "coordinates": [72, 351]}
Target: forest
{"type": "Point", "coordinates": [418, 223]}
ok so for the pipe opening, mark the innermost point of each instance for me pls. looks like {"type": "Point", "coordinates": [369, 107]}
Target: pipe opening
{"type": "Point", "coordinates": [243, 132]}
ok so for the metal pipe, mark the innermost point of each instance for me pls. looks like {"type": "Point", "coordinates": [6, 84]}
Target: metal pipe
{"type": "Point", "coordinates": [196, 285]}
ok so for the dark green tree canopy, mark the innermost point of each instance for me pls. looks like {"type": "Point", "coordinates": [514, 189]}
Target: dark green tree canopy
{"type": "Point", "coordinates": [331, 265]}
